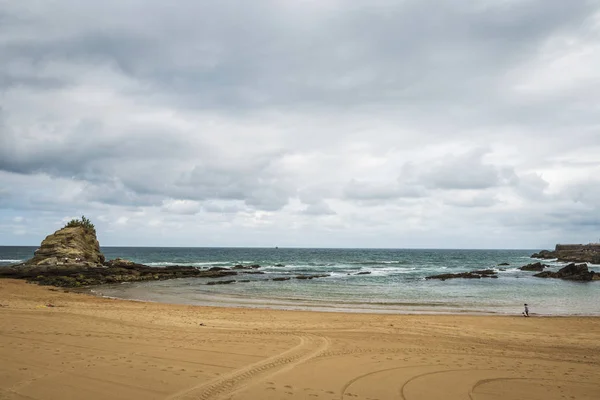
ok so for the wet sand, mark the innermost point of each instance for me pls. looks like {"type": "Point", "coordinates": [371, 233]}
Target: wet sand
{"type": "Point", "coordinates": [86, 347]}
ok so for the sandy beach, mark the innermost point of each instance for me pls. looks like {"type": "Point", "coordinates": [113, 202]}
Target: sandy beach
{"type": "Point", "coordinates": [84, 347]}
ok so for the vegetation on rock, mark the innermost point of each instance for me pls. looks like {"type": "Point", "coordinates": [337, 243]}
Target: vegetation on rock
{"type": "Point", "coordinates": [83, 222]}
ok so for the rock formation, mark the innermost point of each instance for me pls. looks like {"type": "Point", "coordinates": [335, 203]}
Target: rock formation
{"type": "Point", "coordinates": [572, 272]}
{"type": "Point", "coordinates": [534, 267]}
{"type": "Point", "coordinates": [572, 253]}
{"type": "Point", "coordinates": [67, 246]}
{"type": "Point", "coordinates": [485, 273]}
{"type": "Point", "coordinates": [312, 276]}
{"type": "Point", "coordinates": [71, 257]}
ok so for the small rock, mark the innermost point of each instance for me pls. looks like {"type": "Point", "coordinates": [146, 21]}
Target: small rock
{"type": "Point", "coordinates": [534, 267]}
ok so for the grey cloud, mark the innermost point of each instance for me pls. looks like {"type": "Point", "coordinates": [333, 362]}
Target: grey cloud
{"type": "Point", "coordinates": [182, 207]}
{"type": "Point", "coordinates": [531, 186]}
{"type": "Point", "coordinates": [226, 208]}
{"type": "Point", "coordinates": [318, 208]}
{"type": "Point", "coordinates": [359, 53]}
{"type": "Point", "coordinates": [477, 200]}
{"type": "Point", "coordinates": [359, 190]}
{"type": "Point", "coordinates": [464, 171]}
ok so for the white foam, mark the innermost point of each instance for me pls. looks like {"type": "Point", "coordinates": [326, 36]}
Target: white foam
{"type": "Point", "coordinates": [10, 261]}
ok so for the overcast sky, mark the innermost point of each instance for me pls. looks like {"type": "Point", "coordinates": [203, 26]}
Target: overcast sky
{"type": "Point", "coordinates": [305, 123]}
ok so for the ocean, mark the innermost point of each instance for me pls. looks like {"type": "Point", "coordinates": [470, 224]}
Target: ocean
{"type": "Point", "coordinates": [395, 283]}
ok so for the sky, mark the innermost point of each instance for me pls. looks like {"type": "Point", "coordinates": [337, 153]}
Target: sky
{"type": "Point", "coordinates": [302, 123]}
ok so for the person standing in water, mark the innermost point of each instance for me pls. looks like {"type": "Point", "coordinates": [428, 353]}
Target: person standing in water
{"type": "Point", "coordinates": [526, 312]}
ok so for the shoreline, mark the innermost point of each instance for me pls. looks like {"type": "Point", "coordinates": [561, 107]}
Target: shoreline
{"type": "Point", "coordinates": [246, 301]}
{"type": "Point", "coordinates": [57, 345]}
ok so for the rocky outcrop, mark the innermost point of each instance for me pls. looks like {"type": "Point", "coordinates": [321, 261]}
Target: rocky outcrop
{"type": "Point", "coordinates": [75, 245]}
{"type": "Point", "coordinates": [71, 257]}
{"type": "Point", "coordinates": [249, 267]}
{"type": "Point", "coordinates": [572, 253]}
{"type": "Point", "coordinates": [534, 267]}
{"type": "Point", "coordinates": [221, 282]}
{"type": "Point", "coordinates": [218, 269]}
{"type": "Point", "coordinates": [81, 275]}
{"type": "Point", "coordinates": [312, 276]}
{"type": "Point", "coordinates": [572, 272]}
{"type": "Point", "coordinates": [119, 262]}
{"type": "Point", "coordinates": [485, 273]}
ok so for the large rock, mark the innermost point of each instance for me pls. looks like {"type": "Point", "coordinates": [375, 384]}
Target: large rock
{"type": "Point", "coordinates": [572, 272]}
{"type": "Point", "coordinates": [69, 245]}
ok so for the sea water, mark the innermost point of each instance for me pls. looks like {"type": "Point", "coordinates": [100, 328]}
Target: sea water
{"type": "Point", "coordinates": [395, 284]}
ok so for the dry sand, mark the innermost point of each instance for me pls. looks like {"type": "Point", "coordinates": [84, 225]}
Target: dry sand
{"type": "Point", "coordinates": [94, 348]}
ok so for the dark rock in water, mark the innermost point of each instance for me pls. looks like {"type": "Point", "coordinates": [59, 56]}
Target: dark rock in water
{"type": "Point", "coordinates": [279, 265]}
{"type": "Point", "coordinates": [538, 266]}
{"type": "Point", "coordinates": [220, 282]}
{"type": "Point", "coordinates": [363, 273]}
{"type": "Point", "coordinates": [312, 276]}
{"type": "Point", "coordinates": [281, 279]}
{"type": "Point", "coordinates": [572, 272]}
{"type": "Point", "coordinates": [240, 266]}
{"type": "Point", "coordinates": [252, 272]}
{"type": "Point", "coordinates": [218, 269]}
{"type": "Point", "coordinates": [503, 264]}
{"type": "Point", "coordinates": [572, 253]}
{"type": "Point", "coordinates": [486, 273]}
{"type": "Point", "coordinates": [245, 280]}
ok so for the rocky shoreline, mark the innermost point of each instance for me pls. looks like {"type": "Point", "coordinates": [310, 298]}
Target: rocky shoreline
{"type": "Point", "coordinates": [71, 257]}
{"type": "Point", "coordinates": [77, 275]}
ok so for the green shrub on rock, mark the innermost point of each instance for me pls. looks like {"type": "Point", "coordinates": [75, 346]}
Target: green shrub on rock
{"type": "Point", "coordinates": [83, 222]}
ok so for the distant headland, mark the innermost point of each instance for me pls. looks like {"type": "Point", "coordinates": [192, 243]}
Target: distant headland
{"type": "Point", "coordinates": [572, 253]}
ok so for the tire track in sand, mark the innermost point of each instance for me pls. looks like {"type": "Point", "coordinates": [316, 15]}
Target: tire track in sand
{"type": "Point", "coordinates": [309, 347]}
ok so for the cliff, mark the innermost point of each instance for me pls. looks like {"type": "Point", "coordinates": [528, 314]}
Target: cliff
{"type": "Point", "coordinates": [75, 245]}
{"type": "Point", "coordinates": [572, 253]}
